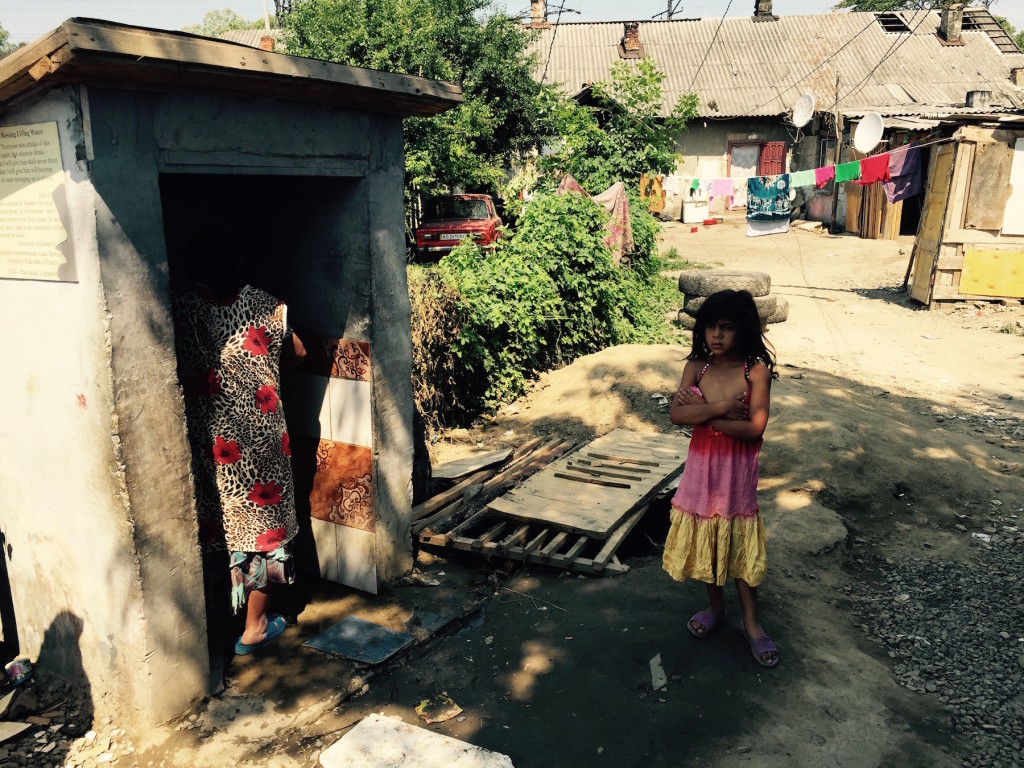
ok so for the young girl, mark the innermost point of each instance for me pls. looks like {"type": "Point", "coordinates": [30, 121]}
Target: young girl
{"type": "Point", "coordinates": [716, 531]}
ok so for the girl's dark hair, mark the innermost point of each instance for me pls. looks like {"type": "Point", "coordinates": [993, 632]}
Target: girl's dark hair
{"type": "Point", "coordinates": [739, 307]}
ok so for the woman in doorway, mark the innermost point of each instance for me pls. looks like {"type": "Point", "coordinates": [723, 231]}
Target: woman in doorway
{"type": "Point", "coordinates": [232, 340]}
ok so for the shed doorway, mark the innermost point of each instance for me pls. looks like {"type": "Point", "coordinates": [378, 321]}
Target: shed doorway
{"type": "Point", "coordinates": [306, 241]}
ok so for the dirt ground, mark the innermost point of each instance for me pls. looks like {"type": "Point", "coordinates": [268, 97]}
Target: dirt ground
{"type": "Point", "coordinates": [883, 439]}
{"type": "Point", "coordinates": [891, 436]}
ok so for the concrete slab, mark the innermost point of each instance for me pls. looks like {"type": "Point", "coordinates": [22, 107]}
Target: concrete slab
{"type": "Point", "coordinates": [384, 742]}
{"type": "Point", "coordinates": [360, 640]}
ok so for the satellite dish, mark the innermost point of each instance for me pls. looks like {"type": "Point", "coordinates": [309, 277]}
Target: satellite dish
{"type": "Point", "coordinates": [803, 110]}
{"type": "Point", "coordinates": [868, 132]}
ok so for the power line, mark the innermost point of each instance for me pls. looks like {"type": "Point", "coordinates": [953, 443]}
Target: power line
{"type": "Point", "coordinates": [708, 51]}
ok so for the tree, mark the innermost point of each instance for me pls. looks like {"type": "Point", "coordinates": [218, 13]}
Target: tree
{"type": "Point", "coordinates": [6, 46]}
{"type": "Point", "coordinates": [622, 134]}
{"type": "Point", "coordinates": [216, 23]}
{"type": "Point", "coordinates": [466, 41]}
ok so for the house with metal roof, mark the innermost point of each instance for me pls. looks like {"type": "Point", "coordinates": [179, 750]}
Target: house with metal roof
{"type": "Point", "coordinates": [924, 72]}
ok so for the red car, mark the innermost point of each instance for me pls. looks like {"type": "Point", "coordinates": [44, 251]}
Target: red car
{"type": "Point", "coordinates": [448, 219]}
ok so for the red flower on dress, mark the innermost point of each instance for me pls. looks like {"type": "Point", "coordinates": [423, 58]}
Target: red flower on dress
{"type": "Point", "coordinates": [265, 494]}
{"type": "Point", "coordinates": [267, 399]}
{"type": "Point", "coordinates": [257, 339]}
{"type": "Point", "coordinates": [286, 444]}
{"type": "Point", "coordinates": [204, 383]}
{"type": "Point", "coordinates": [226, 451]}
{"type": "Point", "coordinates": [271, 540]}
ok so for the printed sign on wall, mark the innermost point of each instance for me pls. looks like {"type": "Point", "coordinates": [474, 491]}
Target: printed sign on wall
{"type": "Point", "coordinates": [35, 227]}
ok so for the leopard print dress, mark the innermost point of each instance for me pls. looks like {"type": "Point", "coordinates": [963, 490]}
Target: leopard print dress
{"type": "Point", "coordinates": [229, 354]}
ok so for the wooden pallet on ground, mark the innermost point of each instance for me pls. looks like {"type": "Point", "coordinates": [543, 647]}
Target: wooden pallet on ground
{"type": "Point", "coordinates": [577, 511]}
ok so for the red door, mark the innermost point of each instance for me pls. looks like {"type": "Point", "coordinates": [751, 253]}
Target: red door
{"type": "Point", "coordinates": [773, 158]}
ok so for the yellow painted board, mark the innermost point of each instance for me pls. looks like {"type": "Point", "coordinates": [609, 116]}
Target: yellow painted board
{"type": "Point", "coordinates": [993, 273]}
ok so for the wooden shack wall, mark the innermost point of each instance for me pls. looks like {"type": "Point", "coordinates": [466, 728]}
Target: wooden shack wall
{"type": "Point", "coordinates": [974, 258]}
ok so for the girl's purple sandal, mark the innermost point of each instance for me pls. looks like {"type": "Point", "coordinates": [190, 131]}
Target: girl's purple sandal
{"type": "Point", "coordinates": [275, 627]}
{"type": "Point", "coordinates": [762, 647]}
{"type": "Point", "coordinates": [708, 622]}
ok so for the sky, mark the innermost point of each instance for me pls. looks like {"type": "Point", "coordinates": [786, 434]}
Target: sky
{"type": "Point", "coordinates": [26, 20]}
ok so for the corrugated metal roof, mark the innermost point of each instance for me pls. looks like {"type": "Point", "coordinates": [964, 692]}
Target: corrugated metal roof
{"type": "Point", "coordinates": [762, 67]}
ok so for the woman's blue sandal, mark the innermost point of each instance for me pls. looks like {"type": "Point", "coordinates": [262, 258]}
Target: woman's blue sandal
{"type": "Point", "coordinates": [275, 627]}
{"type": "Point", "coordinates": [707, 620]}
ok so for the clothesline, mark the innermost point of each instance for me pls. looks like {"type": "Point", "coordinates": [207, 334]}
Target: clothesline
{"type": "Point", "coordinates": [898, 169]}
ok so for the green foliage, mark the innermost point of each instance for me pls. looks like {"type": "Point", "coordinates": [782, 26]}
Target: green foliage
{"type": "Point", "coordinates": [6, 46]}
{"type": "Point", "coordinates": [216, 23]}
{"type": "Point", "coordinates": [465, 41]}
{"type": "Point", "coordinates": [547, 295]}
{"type": "Point", "coordinates": [623, 136]}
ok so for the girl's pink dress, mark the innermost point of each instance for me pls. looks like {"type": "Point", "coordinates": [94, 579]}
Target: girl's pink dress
{"type": "Point", "coordinates": [716, 531]}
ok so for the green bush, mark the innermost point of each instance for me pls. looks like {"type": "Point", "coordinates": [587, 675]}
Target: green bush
{"type": "Point", "coordinates": [545, 296]}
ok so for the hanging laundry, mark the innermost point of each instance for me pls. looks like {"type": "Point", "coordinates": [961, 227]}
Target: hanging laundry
{"type": "Point", "coordinates": [848, 171]}
{"type": "Point", "coordinates": [823, 176]}
{"type": "Point", "coordinates": [723, 188]}
{"type": "Point", "coordinates": [802, 179]}
{"type": "Point", "coordinates": [694, 185]}
{"type": "Point", "coordinates": [768, 198]}
{"type": "Point", "coordinates": [874, 168]}
{"type": "Point", "coordinates": [905, 174]}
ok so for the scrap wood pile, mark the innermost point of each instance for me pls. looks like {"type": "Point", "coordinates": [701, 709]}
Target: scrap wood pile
{"type": "Point", "coordinates": [574, 513]}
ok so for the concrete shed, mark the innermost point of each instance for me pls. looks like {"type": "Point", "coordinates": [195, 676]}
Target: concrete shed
{"type": "Point", "coordinates": [117, 146]}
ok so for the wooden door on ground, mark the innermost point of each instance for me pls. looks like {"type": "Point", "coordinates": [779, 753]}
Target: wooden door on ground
{"type": "Point", "coordinates": [929, 237]}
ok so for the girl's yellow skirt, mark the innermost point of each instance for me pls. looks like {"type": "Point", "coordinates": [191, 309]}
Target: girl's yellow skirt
{"type": "Point", "coordinates": [715, 549]}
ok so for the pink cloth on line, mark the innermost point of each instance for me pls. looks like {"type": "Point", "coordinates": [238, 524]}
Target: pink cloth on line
{"type": "Point", "coordinates": [823, 176]}
{"type": "Point", "coordinates": [722, 188]}
{"type": "Point", "coordinates": [874, 168]}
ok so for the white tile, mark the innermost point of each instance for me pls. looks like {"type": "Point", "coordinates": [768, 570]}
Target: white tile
{"type": "Point", "coordinates": [326, 537]}
{"type": "Point", "coordinates": [350, 412]}
{"type": "Point", "coordinates": [357, 558]}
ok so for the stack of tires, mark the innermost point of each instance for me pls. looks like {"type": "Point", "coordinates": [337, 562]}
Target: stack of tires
{"type": "Point", "coordinates": [698, 284]}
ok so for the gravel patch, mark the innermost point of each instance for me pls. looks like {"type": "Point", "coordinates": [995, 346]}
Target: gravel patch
{"type": "Point", "coordinates": [955, 631]}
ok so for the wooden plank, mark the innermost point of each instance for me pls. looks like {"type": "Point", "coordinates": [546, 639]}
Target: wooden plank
{"type": "Point", "coordinates": [926, 246]}
{"type": "Point", "coordinates": [592, 480]}
{"type": "Point", "coordinates": [554, 544]}
{"type": "Point", "coordinates": [622, 459]}
{"type": "Point", "coordinates": [989, 186]}
{"type": "Point", "coordinates": [536, 541]}
{"type": "Point", "coordinates": [1013, 213]}
{"type": "Point", "coordinates": [443, 514]}
{"type": "Point", "coordinates": [453, 470]}
{"type": "Point", "coordinates": [993, 272]}
{"type": "Point", "coordinates": [555, 514]}
{"type": "Point", "coordinates": [615, 540]}
{"type": "Point", "coordinates": [854, 193]}
{"type": "Point", "coordinates": [517, 536]}
{"type": "Point", "coordinates": [466, 524]}
{"type": "Point", "coordinates": [576, 548]}
{"type": "Point", "coordinates": [605, 465]}
{"type": "Point", "coordinates": [981, 237]}
{"type": "Point", "coordinates": [599, 473]}
{"type": "Point", "coordinates": [490, 535]}
{"type": "Point", "coordinates": [527, 462]}
{"type": "Point", "coordinates": [438, 501]}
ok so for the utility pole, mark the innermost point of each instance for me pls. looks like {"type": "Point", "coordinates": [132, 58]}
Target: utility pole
{"type": "Point", "coordinates": [838, 120]}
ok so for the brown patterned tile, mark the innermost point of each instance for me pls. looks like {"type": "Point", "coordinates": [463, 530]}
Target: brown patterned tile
{"type": "Point", "coordinates": [341, 358]}
{"type": "Point", "coordinates": [342, 488]}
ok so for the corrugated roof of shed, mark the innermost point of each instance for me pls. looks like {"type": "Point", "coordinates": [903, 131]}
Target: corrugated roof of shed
{"type": "Point", "coordinates": [762, 67]}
